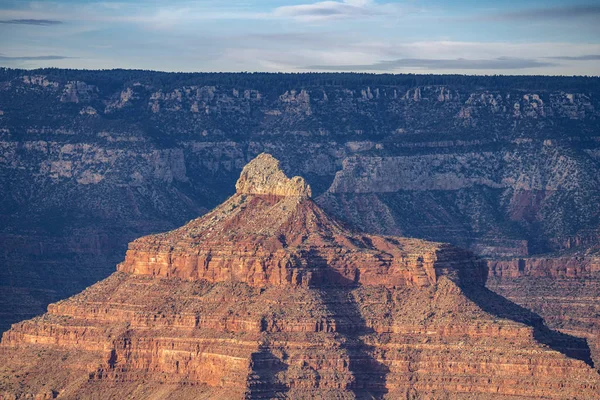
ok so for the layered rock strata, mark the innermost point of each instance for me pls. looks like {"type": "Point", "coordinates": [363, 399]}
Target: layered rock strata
{"type": "Point", "coordinates": [503, 166]}
{"type": "Point", "coordinates": [563, 290]}
{"type": "Point", "coordinates": [267, 297]}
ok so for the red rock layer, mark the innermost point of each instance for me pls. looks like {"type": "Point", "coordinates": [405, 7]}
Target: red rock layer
{"type": "Point", "coordinates": [345, 342]}
{"type": "Point", "coordinates": [266, 297]}
{"type": "Point", "coordinates": [563, 290]}
{"type": "Point", "coordinates": [552, 267]}
{"type": "Point", "coordinates": [272, 240]}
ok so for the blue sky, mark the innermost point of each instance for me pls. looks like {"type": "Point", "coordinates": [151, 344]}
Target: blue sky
{"type": "Point", "coordinates": [419, 36]}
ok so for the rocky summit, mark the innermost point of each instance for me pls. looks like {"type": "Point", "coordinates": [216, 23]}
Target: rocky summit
{"type": "Point", "coordinates": [268, 297]}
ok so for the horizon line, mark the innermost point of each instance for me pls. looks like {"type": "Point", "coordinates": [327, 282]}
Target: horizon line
{"type": "Point", "coordinates": [298, 73]}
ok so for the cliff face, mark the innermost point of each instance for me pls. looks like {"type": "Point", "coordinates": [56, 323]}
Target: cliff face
{"type": "Point", "coordinates": [266, 297]}
{"type": "Point", "coordinates": [92, 160]}
{"type": "Point", "coordinates": [563, 290]}
{"type": "Point", "coordinates": [490, 201]}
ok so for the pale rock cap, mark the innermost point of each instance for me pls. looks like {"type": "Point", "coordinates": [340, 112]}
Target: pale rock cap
{"type": "Point", "coordinates": [263, 176]}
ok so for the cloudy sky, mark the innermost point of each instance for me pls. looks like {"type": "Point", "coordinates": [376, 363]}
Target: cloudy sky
{"type": "Point", "coordinates": [419, 36]}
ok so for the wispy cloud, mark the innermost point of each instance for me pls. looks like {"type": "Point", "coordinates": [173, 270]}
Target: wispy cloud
{"type": "Point", "coordinates": [325, 10]}
{"type": "Point", "coordinates": [500, 63]}
{"type": "Point", "coordinates": [565, 12]}
{"type": "Point", "coordinates": [180, 12]}
{"type": "Point", "coordinates": [39, 22]}
{"type": "Point", "coordinates": [588, 57]}
{"type": "Point", "coordinates": [309, 12]}
{"type": "Point", "coordinates": [283, 35]}
{"type": "Point", "coordinates": [33, 58]}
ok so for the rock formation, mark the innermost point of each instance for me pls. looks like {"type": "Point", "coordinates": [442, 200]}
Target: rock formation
{"type": "Point", "coordinates": [265, 177]}
{"type": "Point", "coordinates": [563, 290]}
{"type": "Point", "coordinates": [268, 297]}
{"type": "Point", "coordinates": [90, 160]}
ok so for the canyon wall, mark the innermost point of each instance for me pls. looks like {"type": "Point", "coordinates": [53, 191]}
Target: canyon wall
{"type": "Point", "coordinates": [266, 296]}
{"type": "Point", "coordinates": [504, 166]}
{"type": "Point", "coordinates": [564, 290]}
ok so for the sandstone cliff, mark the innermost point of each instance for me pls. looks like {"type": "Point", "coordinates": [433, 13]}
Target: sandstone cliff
{"type": "Point", "coordinates": [90, 160]}
{"type": "Point", "coordinates": [268, 297]}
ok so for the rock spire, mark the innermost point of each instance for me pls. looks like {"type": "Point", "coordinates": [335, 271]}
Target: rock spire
{"type": "Point", "coordinates": [263, 176]}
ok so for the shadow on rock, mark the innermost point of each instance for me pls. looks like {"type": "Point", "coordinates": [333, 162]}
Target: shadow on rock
{"type": "Point", "coordinates": [263, 381]}
{"type": "Point", "coordinates": [370, 374]}
{"type": "Point", "coordinates": [494, 304]}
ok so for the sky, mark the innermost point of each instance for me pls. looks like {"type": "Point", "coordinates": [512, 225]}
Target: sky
{"type": "Point", "coordinates": [509, 37]}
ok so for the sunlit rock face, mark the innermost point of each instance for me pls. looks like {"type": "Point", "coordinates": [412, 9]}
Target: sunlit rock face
{"type": "Point", "coordinates": [266, 296]}
{"type": "Point", "coordinates": [263, 176]}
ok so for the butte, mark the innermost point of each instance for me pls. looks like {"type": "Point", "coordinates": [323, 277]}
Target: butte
{"type": "Point", "coordinates": [268, 297]}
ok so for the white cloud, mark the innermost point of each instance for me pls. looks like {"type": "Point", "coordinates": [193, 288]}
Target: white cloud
{"type": "Point", "coordinates": [340, 54]}
{"type": "Point", "coordinates": [202, 35]}
{"type": "Point", "coordinates": [327, 10]}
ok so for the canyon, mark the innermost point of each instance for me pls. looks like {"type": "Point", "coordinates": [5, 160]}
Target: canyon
{"type": "Point", "coordinates": [506, 167]}
{"type": "Point", "coordinates": [266, 296]}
